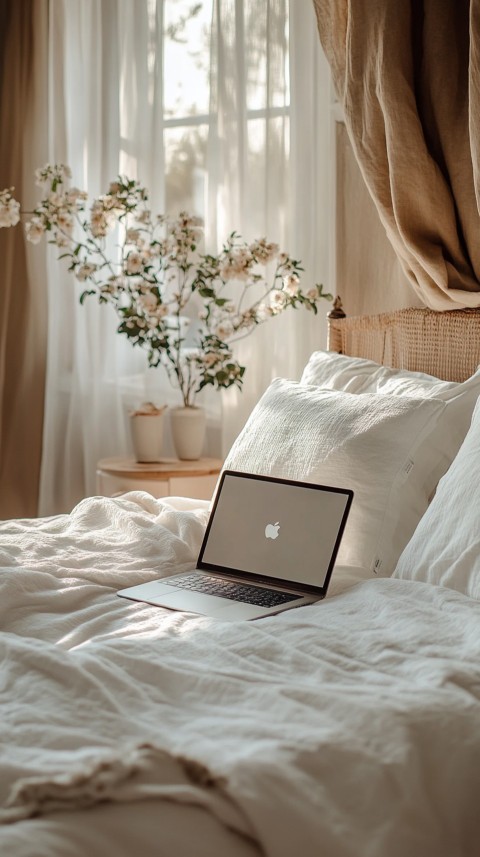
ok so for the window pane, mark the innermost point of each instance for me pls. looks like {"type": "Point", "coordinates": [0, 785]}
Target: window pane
{"type": "Point", "coordinates": [266, 54]}
{"type": "Point", "coordinates": [185, 180]}
{"type": "Point", "coordinates": [186, 57]}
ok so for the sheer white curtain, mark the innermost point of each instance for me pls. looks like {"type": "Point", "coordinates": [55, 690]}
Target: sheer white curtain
{"type": "Point", "coordinates": [269, 169]}
{"type": "Point", "coordinates": [101, 123]}
{"type": "Point", "coordinates": [221, 108]}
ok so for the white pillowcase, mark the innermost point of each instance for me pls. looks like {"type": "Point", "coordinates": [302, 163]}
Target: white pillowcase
{"type": "Point", "coordinates": [334, 371]}
{"type": "Point", "coordinates": [445, 547]}
{"type": "Point", "coordinates": [371, 444]}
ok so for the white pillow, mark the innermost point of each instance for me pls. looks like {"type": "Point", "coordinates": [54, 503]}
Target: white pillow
{"type": "Point", "coordinates": [371, 444]}
{"type": "Point", "coordinates": [334, 371]}
{"type": "Point", "coordinates": [445, 547]}
{"type": "Point", "coordinates": [358, 375]}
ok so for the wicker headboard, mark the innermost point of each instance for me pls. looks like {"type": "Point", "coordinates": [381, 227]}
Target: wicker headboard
{"type": "Point", "coordinates": [444, 344]}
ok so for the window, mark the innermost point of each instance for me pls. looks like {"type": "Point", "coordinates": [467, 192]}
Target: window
{"type": "Point", "coordinates": [221, 108]}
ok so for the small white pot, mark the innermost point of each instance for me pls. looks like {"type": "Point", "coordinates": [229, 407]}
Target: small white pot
{"type": "Point", "coordinates": [188, 431]}
{"type": "Point", "coordinates": [147, 436]}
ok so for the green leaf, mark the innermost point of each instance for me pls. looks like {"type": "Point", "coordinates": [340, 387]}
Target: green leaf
{"type": "Point", "coordinates": [85, 294]}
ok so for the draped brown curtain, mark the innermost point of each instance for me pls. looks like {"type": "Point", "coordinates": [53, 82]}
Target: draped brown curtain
{"type": "Point", "coordinates": [22, 303]}
{"type": "Point", "coordinates": [408, 76]}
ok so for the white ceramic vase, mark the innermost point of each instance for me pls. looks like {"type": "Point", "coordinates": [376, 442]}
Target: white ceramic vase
{"type": "Point", "coordinates": [147, 436]}
{"type": "Point", "coordinates": [188, 431]}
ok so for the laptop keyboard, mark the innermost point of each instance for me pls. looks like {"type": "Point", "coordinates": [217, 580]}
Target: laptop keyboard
{"type": "Point", "coordinates": [243, 592]}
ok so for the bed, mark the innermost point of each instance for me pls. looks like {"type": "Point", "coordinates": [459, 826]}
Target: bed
{"type": "Point", "coordinates": [349, 727]}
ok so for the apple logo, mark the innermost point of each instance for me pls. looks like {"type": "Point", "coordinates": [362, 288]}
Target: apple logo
{"type": "Point", "coordinates": [271, 531]}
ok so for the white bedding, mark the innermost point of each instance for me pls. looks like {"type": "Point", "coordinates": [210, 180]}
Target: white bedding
{"type": "Point", "coordinates": [350, 727]}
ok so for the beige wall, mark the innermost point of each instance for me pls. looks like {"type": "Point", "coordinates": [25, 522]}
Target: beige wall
{"type": "Point", "coordinates": [369, 278]}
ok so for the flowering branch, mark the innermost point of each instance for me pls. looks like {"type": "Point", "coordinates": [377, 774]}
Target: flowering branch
{"type": "Point", "coordinates": [157, 278]}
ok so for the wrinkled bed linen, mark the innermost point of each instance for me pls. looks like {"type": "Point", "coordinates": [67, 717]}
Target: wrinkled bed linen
{"type": "Point", "coordinates": [350, 726]}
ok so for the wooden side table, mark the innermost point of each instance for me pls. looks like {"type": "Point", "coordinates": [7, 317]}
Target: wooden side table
{"type": "Point", "coordinates": [166, 478]}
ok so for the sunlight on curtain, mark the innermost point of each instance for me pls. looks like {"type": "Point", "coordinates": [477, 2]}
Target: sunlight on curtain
{"type": "Point", "coordinates": [220, 108]}
{"type": "Point", "coordinates": [268, 169]}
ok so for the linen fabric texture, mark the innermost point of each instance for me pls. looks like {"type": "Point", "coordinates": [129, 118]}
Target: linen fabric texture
{"type": "Point", "coordinates": [367, 687]}
{"type": "Point", "coordinates": [335, 371]}
{"type": "Point", "coordinates": [414, 127]}
{"type": "Point", "coordinates": [374, 445]}
{"type": "Point", "coordinates": [445, 548]}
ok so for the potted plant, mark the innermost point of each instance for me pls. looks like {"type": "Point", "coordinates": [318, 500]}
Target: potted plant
{"type": "Point", "coordinates": [161, 285]}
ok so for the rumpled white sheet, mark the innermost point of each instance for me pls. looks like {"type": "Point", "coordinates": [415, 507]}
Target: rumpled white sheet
{"type": "Point", "coordinates": [345, 728]}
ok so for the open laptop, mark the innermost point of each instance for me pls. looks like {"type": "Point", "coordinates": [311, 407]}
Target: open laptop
{"type": "Point", "coordinates": [270, 544]}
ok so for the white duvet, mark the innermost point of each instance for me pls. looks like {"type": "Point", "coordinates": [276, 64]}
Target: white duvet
{"type": "Point", "coordinates": [351, 727]}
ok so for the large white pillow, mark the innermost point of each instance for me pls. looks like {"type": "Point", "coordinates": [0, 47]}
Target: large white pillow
{"type": "Point", "coordinates": [372, 444]}
{"type": "Point", "coordinates": [445, 547]}
{"type": "Point", "coordinates": [334, 371]}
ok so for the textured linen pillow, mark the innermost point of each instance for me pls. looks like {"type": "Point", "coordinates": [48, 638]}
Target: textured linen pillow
{"type": "Point", "coordinates": [359, 375]}
{"type": "Point", "coordinates": [371, 444]}
{"type": "Point", "coordinates": [334, 371]}
{"type": "Point", "coordinates": [445, 547]}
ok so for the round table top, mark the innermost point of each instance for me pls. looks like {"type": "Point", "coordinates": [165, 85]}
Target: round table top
{"type": "Point", "coordinates": [166, 468]}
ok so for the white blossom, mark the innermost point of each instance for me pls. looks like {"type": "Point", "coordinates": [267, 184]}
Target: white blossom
{"type": "Point", "coordinates": [101, 221]}
{"type": "Point", "coordinates": [85, 271]}
{"type": "Point", "coordinates": [224, 330]}
{"type": "Point", "coordinates": [161, 311]}
{"type": "Point", "coordinates": [291, 284]}
{"type": "Point", "coordinates": [9, 209]}
{"type": "Point", "coordinates": [210, 358]}
{"type": "Point", "coordinates": [236, 265]}
{"type": "Point", "coordinates": [279, 300]}
{"type": "Point", "coordinates": [109, 202]}
{"type": "Point", "coordinates": [264, 251]}
{"type": "Point", "coordinates": [143, 216]}
{"type": "Point", "coordinates": [75, 196]}
{"type": "Point", "coordinates": [132, 236]}
{"type": "Point", "coordinates": [58, 173]}
{"type": "Point", "coordinates": [133, 263]}
{"type": "Point", "coordinates": [248, 318]}
{"type": "Point", "coordinates": [116, 284]}
{"type": "Point", "coordinates": [65, 221]}
{"type": "Point", "coordinates": [107, 289]}
{"type": "Point", "coordinates": [56, 201]}
{"type": "Point", "coordinates": [147, 302]}
{"type": "Point", "coordinates": [34, 230]}
{"type": "Point", "coordinates": [62, 240]}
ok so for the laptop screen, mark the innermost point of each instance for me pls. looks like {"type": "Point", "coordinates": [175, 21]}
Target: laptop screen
{"type": "Point", "coordinates": [275, 529]}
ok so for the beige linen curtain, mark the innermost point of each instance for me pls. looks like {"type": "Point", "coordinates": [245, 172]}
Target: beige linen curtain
{"type": "Point", "coordinates": [22, 302]}
{"type": "Point", "coordinates": [408, 77]}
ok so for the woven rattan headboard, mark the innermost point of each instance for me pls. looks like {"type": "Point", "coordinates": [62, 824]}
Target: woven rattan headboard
{"type": "Point", "coordinates": [444, 344]}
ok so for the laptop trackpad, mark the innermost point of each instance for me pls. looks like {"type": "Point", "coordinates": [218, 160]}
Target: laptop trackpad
{"type": "Point", "coordinates": [195, 602]}
{"type": "Point", "coordinates": [210, 605]}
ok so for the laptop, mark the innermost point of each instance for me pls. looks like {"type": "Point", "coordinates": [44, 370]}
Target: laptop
{"type": "Point", "coordinates": [270, 545]}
